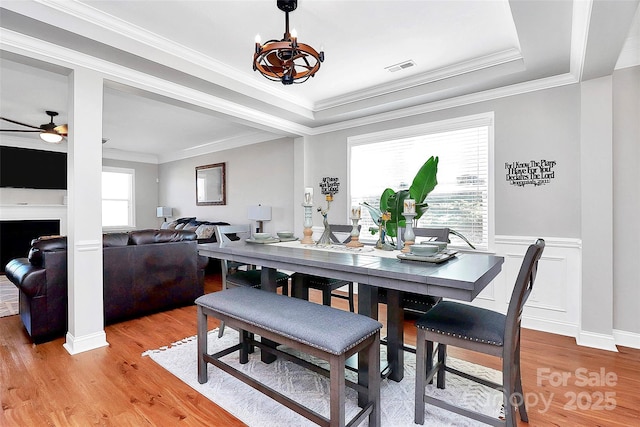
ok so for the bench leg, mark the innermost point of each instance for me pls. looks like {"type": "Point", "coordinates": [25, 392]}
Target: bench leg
{"type": "Point", "coordinates": [202, 346]}
{"type": "Point", "coordinates": [337, 390]}
{"type": "Point", "coordinates": [373, 356]}
{"type": "Point", "coordinates": [244, 343]}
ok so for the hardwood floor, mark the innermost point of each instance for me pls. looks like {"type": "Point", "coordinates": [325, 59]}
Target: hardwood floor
{"type": "Point", "coordinates": [114, 386]}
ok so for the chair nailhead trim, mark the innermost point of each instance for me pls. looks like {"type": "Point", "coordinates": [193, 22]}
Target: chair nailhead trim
{"type": "Point", "coordinates": [464, 337]}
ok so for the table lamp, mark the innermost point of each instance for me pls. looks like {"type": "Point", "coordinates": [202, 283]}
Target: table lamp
{"type": "Point", "coordinates": [259, 214]}
{"type": "Point", "coordinates": [164, 212]}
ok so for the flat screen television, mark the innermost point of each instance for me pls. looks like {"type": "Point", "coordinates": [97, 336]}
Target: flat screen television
{"type": "Point", "coordinates": [27, 168]}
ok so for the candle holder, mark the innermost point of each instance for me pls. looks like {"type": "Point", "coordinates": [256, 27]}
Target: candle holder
{"type": "Point", "coordinates": [355, 234]}
{"type": "Point", "coordinates": [409, 235]}
{"type": "Point", "coordinates": [308, 225]}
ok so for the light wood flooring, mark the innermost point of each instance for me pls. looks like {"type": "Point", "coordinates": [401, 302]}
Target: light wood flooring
{"type": "Point", "coordinates": [42, 385]}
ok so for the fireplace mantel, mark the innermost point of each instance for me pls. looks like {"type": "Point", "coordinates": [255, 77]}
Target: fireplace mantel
{"type": "Point", "coordinates": [21, 211]}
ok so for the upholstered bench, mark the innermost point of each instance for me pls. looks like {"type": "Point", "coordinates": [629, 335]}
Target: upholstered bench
{"type": "Point", "coordinates": [321, 331]}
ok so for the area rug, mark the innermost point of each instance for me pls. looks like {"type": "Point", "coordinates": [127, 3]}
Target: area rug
{"type": "Point", "coordinates": [311, 389]}
{"type": "Point", "coordinates": [8, 297]}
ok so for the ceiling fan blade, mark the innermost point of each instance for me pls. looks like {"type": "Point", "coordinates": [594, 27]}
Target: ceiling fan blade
{"type": "Point", "coordinates": [18, 123]}
{"type": "Point", "coordinates": [62, 130]}
{"type": "Point", "coordinates": [273, 59]}
{"type": "Point", "coordinates": [18, 130]}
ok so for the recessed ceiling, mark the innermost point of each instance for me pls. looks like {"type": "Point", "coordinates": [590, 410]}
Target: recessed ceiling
{"type": "Point", "coordinates": [458, 47]}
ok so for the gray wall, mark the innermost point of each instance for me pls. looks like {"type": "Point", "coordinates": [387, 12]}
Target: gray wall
{"type": "Point", "coordinates": [626, 199]}
{"type": "Point", "coordinates": [255, 174]}
{"type": "Point", "coordinates": [532, 126]}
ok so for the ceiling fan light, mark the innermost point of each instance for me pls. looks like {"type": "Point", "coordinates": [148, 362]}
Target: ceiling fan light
{"type": "Point", "coordinates": [51, 137]}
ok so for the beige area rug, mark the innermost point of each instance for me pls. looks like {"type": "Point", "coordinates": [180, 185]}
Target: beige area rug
{"type": "Point", "coordinates": [311, 389]}
{"type": "Point", "coordinates": [8, 297]}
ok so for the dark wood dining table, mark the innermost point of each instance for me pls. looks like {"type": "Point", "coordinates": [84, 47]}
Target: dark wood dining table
{"type": "Point", "coordinates": [462, 277]}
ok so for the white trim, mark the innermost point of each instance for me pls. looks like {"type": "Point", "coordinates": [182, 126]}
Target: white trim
{"type": "Point", "coordinates": [581, 18]}
{"type": "Point", "coordinates": [596, 340]}
{"type": "Point", "coordinates": [88, 245]}
{"type": "Point", "coordinates": [476, 64]}
{"type": "Point", "coordinates": [560, 242]}
{"type": "Point", "coordinates": [626, 339]}
{"type": "Point", "coordinates": [75, 345]}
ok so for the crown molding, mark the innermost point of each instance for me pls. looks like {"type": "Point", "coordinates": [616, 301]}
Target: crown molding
{"type": "Point", "coordinates": [474, 98]}
{"type": "Point", "coordinates": [129, 156]}
{"type": "Point", "coordinates": [630, 55]}
{"type": "Point", "coordinates": [581, 19]}
{"type": "Point", "coordinates": [216, 146]}
{"type": "Point", "coordinates": [476, 64]}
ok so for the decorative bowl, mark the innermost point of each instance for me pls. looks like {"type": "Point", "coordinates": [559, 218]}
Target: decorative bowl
{"type": "Point", "coordinates": [285, 234]}
{"type": "Point", "coordinates": [441, 245]}
{"type": "Point", "coordinates": [261, 236]}
{"type": "Point", "coordinates": [424, 249]}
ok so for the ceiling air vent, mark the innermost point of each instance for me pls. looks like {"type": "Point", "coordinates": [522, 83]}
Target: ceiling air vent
{"type": "Point", "coordinates": [400, 66]}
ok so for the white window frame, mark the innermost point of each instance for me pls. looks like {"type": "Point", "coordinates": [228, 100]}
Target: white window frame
{"type": "Point", "coordinates": [476, 120]}
{"type": "Point", "coordinates": [132, 201]}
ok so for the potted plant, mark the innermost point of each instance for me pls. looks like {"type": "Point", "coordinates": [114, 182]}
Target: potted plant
{"type": "Point", "coordinates": [392, 202]}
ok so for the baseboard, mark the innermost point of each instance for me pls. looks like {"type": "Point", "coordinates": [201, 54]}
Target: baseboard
{"type": "Point", "coordinates": [551, 326]}
{"type": "Point", "coordinates": [595, 340]}
{"type": "Point", "coordinates": [626, 339]}
{"type": "Point", "coordinates": [75, 345]}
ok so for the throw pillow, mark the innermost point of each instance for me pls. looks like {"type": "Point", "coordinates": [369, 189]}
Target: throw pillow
{"type": "Point", "coordinates": [191, 226]}
{"type": "Point", "coordinates": [179, 226]}
{"type": "Point", "coordinates": [205, 231]}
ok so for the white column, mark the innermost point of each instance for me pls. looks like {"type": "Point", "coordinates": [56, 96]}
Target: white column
{"type": "Point", "coordinates": [84, 162]}
{"type": "Point", "coordinates": [596, 163]}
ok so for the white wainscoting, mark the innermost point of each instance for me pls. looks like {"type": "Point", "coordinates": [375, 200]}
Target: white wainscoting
{"type": "Point", "coordinates": [554, 304]}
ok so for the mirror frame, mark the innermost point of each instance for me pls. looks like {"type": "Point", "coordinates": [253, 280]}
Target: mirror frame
{"type": "Point", "coordinates": [215, 172]}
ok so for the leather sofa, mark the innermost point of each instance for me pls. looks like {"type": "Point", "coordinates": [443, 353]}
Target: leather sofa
{"type": "Point", "coordinates": [144, 271]}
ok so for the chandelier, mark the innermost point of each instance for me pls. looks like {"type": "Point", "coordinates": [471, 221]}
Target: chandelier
{"type": "Point", "coordinates": [286, 60]}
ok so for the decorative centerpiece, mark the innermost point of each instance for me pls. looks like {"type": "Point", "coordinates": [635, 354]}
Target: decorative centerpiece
{"type": "Point", "coordinates": [355, 233]}
{"type": "Point", "coordinates": [409, 213]}
{"type": "Point", "coordinates": [329, 187]}
{"type": "Point", "coordinates": [307, 204]}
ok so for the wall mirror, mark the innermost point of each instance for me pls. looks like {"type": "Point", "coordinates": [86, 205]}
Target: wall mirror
{"type": "Point", "coordinates": [210, 185]}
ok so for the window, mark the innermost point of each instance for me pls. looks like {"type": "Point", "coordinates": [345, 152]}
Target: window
{"type": "Point", "coordinates": [117, 197]}
{"type": "Point", "coordinates": [462, 200]}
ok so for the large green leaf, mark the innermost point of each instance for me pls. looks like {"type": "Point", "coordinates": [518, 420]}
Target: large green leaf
{"type": "Point", "coordinates": [423, 184]}
{"type": "Point", "coordinates": [395, 205]}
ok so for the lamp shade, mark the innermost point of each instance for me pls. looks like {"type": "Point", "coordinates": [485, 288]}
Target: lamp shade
{"type": "Point", "coordinates": [259, 213]}
{"type": "Point", "coordinates": [163, 212]}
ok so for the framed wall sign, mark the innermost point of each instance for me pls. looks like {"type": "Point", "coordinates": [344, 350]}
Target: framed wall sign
{"type": "Point", "coordinates": [210, 185]}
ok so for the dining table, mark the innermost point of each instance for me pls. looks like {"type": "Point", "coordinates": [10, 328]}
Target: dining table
{"type": "Point", "coordinates": [461, 277]}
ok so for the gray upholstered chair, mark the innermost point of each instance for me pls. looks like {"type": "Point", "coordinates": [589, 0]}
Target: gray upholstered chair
{"type": "Point", "coordinates": [480, 330]}
{"type": "Point", "coordinates": [326, 284]}
{"type": "Point", "coordinates": [238, 274]}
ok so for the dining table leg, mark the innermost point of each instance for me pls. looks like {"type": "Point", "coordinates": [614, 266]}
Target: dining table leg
{"type": "Point", "coordinates": [395, 335]}
{"type": "Point", "coordinates": [268, 283]}
{"type": "Point", "coordinates": [367, 306]}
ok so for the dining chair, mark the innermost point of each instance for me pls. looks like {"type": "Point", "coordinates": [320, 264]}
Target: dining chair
{"type": "Point", "coordinates": [238, 274]}
{"type": "Point", "coordinates": [481, 330]}
{"type": "Point", "coordinates": [326, 284]}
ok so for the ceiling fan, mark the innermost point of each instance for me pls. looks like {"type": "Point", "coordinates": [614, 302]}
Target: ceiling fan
{"type": "Point", "coordinates": [49, 132]}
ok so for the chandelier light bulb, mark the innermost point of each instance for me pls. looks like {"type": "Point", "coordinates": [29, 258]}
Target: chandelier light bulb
{"type": "Point", "coordinates": [258, 39]}
{"type": "Point", "coordinates": [294, 34]}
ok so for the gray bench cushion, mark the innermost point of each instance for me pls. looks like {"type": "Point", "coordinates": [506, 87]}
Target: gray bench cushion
{"type": "Point", "coordinates": [328, 329]}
